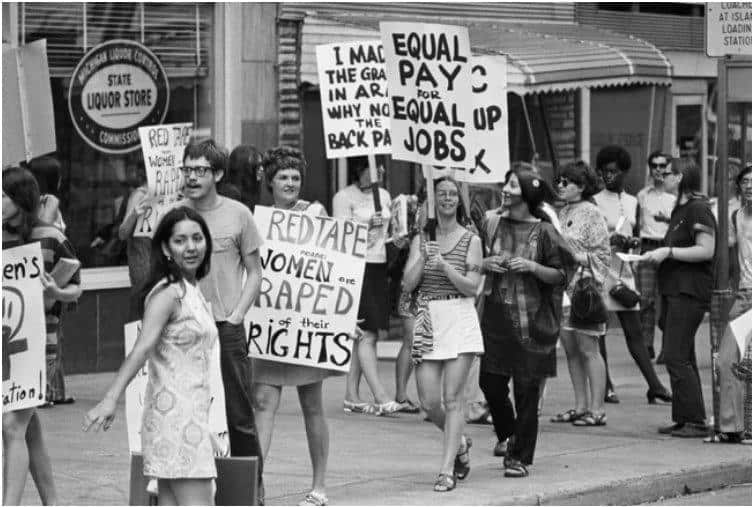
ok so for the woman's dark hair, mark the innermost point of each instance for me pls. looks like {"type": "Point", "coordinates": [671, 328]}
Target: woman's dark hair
{"type": "Point", "coordinates": [581, 174]}
{"type": "Point", "coordinates": [534, 190]}
{"type": "Point", "coordinates": [614, 153]}
{"type": "Point", "coordinates": [358, 164]}
{"type": "Point", "coordinates": [461, 215]}
{"type": "Point", "coordinates": [216, 155]}
{"type": "Point", "coordinates": [162, 267]}
{"type": "Point", "coordinates": [745, 171]}
{"type": "Point", "coordinates": [22, 188]}
{"type": "Point", "coordinates": [243, 172]}
{"type": "Point", "coordinates": [46, 170]}
{"type": "Point", "coordinates": [691, 183]}
{"type": "Point", "coordinates": [283, 157]}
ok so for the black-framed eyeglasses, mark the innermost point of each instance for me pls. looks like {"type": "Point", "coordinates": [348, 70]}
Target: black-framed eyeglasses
{"type": "Point", "coordinates": [562, 180]}
{"type": "Point", "coordinates": [199, 171]}
{"type": "Point", "coordinates": [658, 165]}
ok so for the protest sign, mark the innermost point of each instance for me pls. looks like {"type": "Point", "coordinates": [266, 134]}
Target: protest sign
{"type": "Point", "coordinates": [312, 270]}
{"type": "Point", "coordinates": [27, 103]}
{"type": "Point", "coordinates": [136, 390]}
{"type": "Point", "coordinates": [24, 331]}
{"type": "Point", "coordinates": [162, 146]}
{"type": "Point", "coordinates": [353, 91]}
{"type": "Point", "coordinates": [429, 70]}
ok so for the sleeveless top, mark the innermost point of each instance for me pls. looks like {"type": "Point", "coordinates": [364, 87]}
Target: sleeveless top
{"type": "Point", "coordinates": [435, 285]}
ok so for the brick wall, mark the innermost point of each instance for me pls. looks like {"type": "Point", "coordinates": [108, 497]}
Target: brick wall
{"type": "Point", "coordinates": [289, 59]}
{"type": "Point", "coordinates": [561, 117]}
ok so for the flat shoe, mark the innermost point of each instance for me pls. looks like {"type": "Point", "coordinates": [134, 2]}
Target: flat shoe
{"type": "Point", "coordinates": [354, 407]}
{"type": "Point", "coordinates": [515, 469]}
{"type": "Point", "coordinates": [689, 430]}
{"type": "Point", "coordinates": [590, 419]}
{"type": "Point", "coordinates": [611, 397]}
{"type": "Point", "coordinates": [406, 406]}
{"type": "Point", "coordinates": [567, 416]}
{"type": "Point", "coordinates": [501, 449]}
{"type": "Point", "coordinates": [444, 483]}
{"type": "Point", "coordinates": [462, 466]}
{"type": "Point", "coordinates": [314, 498]}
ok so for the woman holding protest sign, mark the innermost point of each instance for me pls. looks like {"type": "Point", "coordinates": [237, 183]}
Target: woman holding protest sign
{"type": "Point", "coordinates": [527, 262]}
{"type": "Point", "coordinates": [177, 336]}
{"type": "Point", "coordinates": [356, 202]}
{"type": "Point", "coordinates": [23, 444]}
{"type": "Point", "coordinates": [447, 274]}
{"type": "Point", "coordinates": [284, 169]}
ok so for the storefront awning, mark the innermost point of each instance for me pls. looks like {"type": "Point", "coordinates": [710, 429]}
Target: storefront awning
{"type": "Point", "coordinates": [542, 57]}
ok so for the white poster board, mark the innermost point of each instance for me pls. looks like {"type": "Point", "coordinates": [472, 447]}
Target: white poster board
{"type": "Point", "coordinates": [136, 390]}
{"type": "Point", "coordinates": [353, 92]}
{"type": "Point", "coordinates": [728, 29]}
{"type": "Point", "coordinates": [162, 146]}
{"type": "Point", "coordinates": [28, 114]}
{"type": "Point", "coordinates": [429, 70]}
{"type": "Point", "coordinates": [24, 332]}
{"type": "Point", "coordinates": [312, 271]}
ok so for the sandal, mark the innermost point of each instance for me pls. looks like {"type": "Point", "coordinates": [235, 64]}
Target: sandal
{"type": "Point", "coordinates": [567, 416]}
{"type": "Point", "coordinates": [590, 419]}
{"type": "Point", "coordinates": [462, 466]}
{"type": "Point", "coordinates": [354, 407]}
{"type": "Point", "coordinates": [384, 409]}
{"type": "Point", "coordinates": [407, 406]}
{"type": "Point", "coordinates": [514, 468]}
{"type": "Point", "coordinates": [445, 483]}
{"type": "Point", "coordinates": [314, 498]}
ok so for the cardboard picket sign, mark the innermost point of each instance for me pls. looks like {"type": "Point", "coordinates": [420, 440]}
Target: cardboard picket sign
{"type": "Point", "coordinates": [24, 331]}
{"type": "Point", "coordinates": [353, 90]}
{"type": "Point", "coordinates": [312, 271]}
{"type": "Point", "coordinates": [429, 71]}
{"type": "Point", "coordinates": [28, 114]}
{"type": "Point", "coordinates": [162, 146]}
{"type": "Point", "coordinates": [137, 387]}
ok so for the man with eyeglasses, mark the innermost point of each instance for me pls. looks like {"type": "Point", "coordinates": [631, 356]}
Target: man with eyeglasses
{"type": "Point", "coordinates": [235, 251]}
{"type": "Point", "coordinates": [653, 215]}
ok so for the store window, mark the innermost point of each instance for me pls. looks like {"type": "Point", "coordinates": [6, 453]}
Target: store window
{"type": "Point", "coordinates": [96, 185]}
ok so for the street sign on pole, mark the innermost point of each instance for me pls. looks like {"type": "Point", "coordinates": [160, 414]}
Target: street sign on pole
{"type": "Point", "coordinates": [728, 30]}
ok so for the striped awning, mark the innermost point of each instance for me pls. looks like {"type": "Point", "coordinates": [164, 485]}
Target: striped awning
{"type": "Point", "coordinates": [542, 57]}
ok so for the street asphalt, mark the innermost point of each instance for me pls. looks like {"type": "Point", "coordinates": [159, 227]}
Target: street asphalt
{"type": "Point", "coordinates": [394, 460]}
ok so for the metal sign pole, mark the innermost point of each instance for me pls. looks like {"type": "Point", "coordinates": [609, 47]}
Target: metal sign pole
{"type": "Point", "coordinates": [722, 294]}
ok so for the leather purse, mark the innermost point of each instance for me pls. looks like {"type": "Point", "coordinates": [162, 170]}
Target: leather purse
{"type": "Point", "coordinates": [622, 292]}
{"type": "Point", "coordinates": [587, 305]}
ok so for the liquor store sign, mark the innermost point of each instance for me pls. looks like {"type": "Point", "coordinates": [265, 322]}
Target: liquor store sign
{"type": "Point", "coordinates": [117, 87]}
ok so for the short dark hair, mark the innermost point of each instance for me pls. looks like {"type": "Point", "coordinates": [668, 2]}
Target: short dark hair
{"type": "Point", "coordinates": [46, 170]}
{"type": "Point", "coordinates": [243, 168]}
{"type": "Point", "coordinates": [614, 153]}
{"type": "Point", "coordinates": [161, 267]}
{"type": "Point", "coordinates": [692, 175]}
{"type": "Point", "coordinates": [358, 164]}
{"type": "Point", "coordinates": [22, 188]}
{"type": "Point", "coordinates": [283, 157]}
{"type": "Point", "coordinates": [215, 154]}
{"type": "Point", "coordinates": [746, 170]}
{"type": "Point", "coordinates": [658, 153]}
{"type": "Point", "coordinates": [581, 174]}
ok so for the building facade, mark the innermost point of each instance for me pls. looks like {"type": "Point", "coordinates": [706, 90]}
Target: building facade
{"type": "Point", "coordinates": [581, 75]}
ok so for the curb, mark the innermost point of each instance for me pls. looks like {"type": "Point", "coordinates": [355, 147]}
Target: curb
{"type": "Point", "coordinates": [638, 490]}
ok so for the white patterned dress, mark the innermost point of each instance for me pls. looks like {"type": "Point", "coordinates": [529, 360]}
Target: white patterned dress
{"type": "Point", "coordinates": [175, 433]}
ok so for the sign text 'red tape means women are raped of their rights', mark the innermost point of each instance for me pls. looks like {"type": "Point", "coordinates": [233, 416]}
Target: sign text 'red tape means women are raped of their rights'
{"type": "Point", "coordinates": [312, 269]}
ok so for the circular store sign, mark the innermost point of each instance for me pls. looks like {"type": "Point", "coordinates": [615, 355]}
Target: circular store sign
{"type": "Point", "coordinates": [117, 87]}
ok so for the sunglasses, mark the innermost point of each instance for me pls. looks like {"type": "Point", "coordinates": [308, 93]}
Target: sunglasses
{"type": "Point", "coordinates": [658, 165]}
{"type": "Point", "coordinates": [199, 171]}
{"type": "Point", "coordinates": [562, 180]}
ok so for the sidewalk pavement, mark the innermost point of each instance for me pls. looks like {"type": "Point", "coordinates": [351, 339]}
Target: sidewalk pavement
{"type": "Point", "coordinates": [394, 460]}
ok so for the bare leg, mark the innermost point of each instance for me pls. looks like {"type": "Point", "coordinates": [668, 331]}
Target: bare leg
{"type": "Point", "coordinates": [576, 369]}
{"type": "Point", "coordinates": [456, 372]}
{"type": "Point", "coordinates": [429, 385]}
{"type": "Point", "coordinates": [39, 462]}
{"type": "Point", "coordinates": [191, 491]}
{"type": "Point", "coordinates": [368, 359]}
{"type": "Point", "coordinates": [595, 371]}
{"type": "Point", "coordinates": [266, 403]}
{"type": "Point", "coordinates": [15, 455]}
{"type": "Point", "coordinates": [403, 361]}
{"type": "Point", "coordinates": [317, 433]}
{"type": "Point", "coordinates": [353, 378]}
